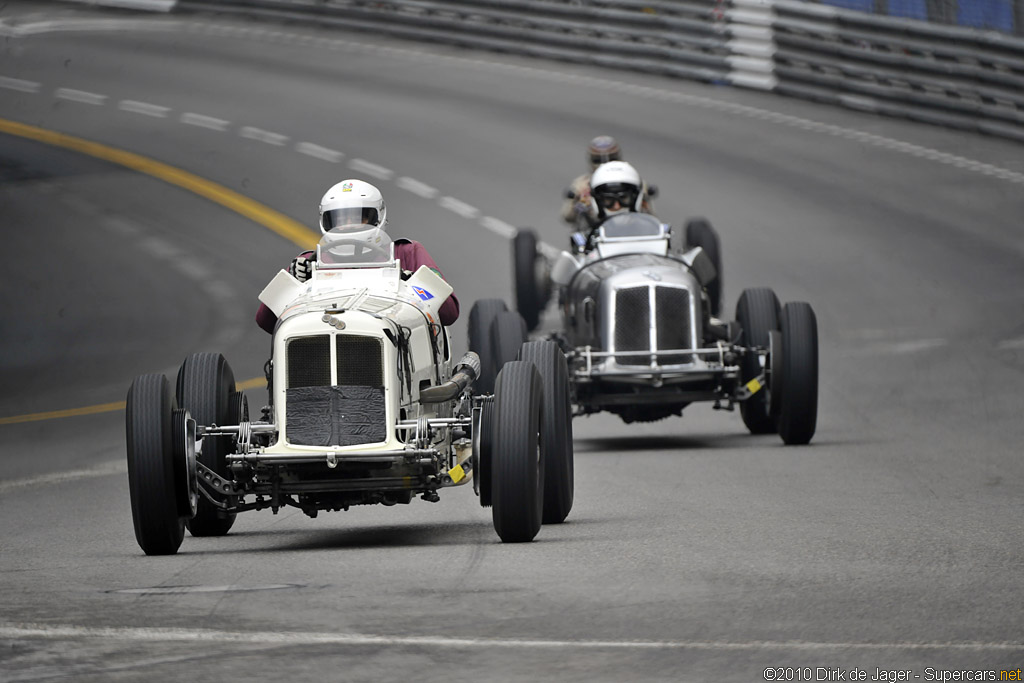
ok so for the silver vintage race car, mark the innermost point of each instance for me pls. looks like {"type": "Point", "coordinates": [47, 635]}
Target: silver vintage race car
{"type": "Point", "coordinates": [366, 406]}
{"type": "Point", "coordinates": [637, 318]}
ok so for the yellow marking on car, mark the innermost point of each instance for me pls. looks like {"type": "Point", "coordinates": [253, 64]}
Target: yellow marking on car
{"type": "Point", "coordinates": [253, 383]}
{"type": "Point", "coordinates": [283, 225]}
{"type": "Point", "coordinates": [753, 386]}
{"type": "Point", "coordinates": [457, 474]}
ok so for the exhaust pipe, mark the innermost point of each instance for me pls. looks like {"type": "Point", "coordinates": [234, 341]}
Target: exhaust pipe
{"type": "Point", "coordinates": [467, 370]}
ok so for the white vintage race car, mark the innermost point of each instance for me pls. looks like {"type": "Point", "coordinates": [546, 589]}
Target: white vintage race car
{"type": "Point", "coordinates": [365, 407]}
{"type": "Point", "coordinates": [637, 316]}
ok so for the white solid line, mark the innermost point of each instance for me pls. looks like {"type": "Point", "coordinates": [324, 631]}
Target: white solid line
{"type": "Point", "coordinates": [205, 121]}
{"type": "Point", "coordinates": [461, 208]}
{"type": "Point", "coordinates": [196, 635]}
{"type": "Point", "coordinates": [143, 108]}
{"type": "Point", "coordinates": [369, 168]}
{"type": "Point", "coordinates": [318, 152]}
{"type": "Point", "coordinates": [79, 96]}
{"type": "Point", "coordinates": [498, 227]}
{"type": "Point", "coordinates": [416, 187]}
{"type": "Point", "coordinates": [18, 84]}
{"type": "Point", "coordinates": [263, 135]}
{"type": "Point", "coordinates": [180, 590]}
{"type": "Point", "coordinates": [107, 468]}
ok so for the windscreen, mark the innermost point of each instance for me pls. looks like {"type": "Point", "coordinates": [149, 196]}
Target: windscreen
{"type": "Point", "coordinates": [632, 225]}
{"type": "Point", "coordinates": [344, 247]}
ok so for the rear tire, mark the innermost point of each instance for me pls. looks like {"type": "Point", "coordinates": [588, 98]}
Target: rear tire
{"type": "Point", "coordinates": [758, 314]}
{"type": "Point", "coordinates": [152, 482]}
{"type": "Point", "coordinates": [481, 316]}
{"type": "Point", "coordinates": [508, 333]}
{"type": "Point", "coordinates": [798, 414]}
{"type": "Point", "coordinates": [206, 386]}
{"type": "Point", "coordinates": [699, 233]}
{"type": "Point", "coordinates": [517, 479]}
{"type": "Point", "coordinates": [556, 442]}
{"type": "Point", "coordinates": [529, 298]}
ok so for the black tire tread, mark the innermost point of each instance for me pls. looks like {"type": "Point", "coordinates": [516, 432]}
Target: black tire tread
{"type": "Point", "coordinates": [798, 417]}
{"type": "Point", "coordinates": [757, 312]}
{"type": "Point", "coordinates": [517, 477]}
{"type": "Point", "coordinates": [481, 316]}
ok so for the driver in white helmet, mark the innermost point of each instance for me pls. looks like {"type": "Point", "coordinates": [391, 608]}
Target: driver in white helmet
{"type": "Point", "coordinates": [616, 187]}
{"type": "Point", "coordinates": [356, 209]}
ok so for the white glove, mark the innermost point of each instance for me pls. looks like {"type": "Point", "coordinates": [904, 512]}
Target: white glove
{"type": "Point", "coordinates": [301, 268]}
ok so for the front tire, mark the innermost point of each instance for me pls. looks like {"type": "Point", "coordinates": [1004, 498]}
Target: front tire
{"type": "Point", "coordinates": [206, 387]}
{"type": "Point", "coordinates": [798, 414]}
{"type": "Point", "coordinates": [153, 483]}
{"type": "Point", "coordinates": [699, 233]}
{"type": "Point", "coordinates": [757, 312]}
{"type": "Point", "coordinates": [517, 478]}
{"type": "Point", "coordinates": [556, 443]}
{"type": "Point", "coordinates": [508, 333]}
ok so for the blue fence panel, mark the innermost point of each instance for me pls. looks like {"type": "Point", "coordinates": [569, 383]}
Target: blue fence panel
{"type": "Point", "coordinates": [858, 5]}
{"type": "Point", "coordinates": [909, 9]}
{"type": "Point", "coordinates": [990, 14]}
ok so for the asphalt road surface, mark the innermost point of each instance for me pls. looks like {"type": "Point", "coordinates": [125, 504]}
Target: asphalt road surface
{"type": "Point", "coordinates": [694, 552]}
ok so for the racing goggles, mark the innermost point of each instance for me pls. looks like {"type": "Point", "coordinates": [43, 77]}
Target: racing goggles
{"type": "Point", "coordinates": [598, 159]}
{"type": "Point", "coordinates": [625, 197]}
{"type": "Point", "coordinates": [353, 215]}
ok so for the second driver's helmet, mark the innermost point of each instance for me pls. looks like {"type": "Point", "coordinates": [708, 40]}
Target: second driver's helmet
{"type": "Point", "coordinates": [602, 149]}
{"type": "Point", "coordinates": [615, 187]}
{"type": "Point", "coordinates": [352, 205]}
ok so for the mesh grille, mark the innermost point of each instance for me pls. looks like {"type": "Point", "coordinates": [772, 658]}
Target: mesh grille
{"type": "Point", "coordinates": [632, 323]}
{"type": "Point", "coordinates": [360, 361]}
{"type": "Point", "coordinates": [309, 362]}
{"type": "Point", "coordinates": [673, 322]}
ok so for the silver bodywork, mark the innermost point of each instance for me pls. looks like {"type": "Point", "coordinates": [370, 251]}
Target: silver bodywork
{"type": "Point", "coordinates": [635, 318]}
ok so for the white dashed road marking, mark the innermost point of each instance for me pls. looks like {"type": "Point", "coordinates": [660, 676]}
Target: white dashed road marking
{"type": "Point", "coordinates": [416, 187]}
{"type": "Point", "coordinates": [1011, 344]}
{"type": "Point", "coordinates": [461, 208]}
{"type": "Point", "coordinates": [101, 470]}
{"type": "Point", "coordinates": [80, 96]}
{"type": "Point", "coordinates": [498, 227]}
{"type": "Point", "coordinates": [372, 169]}
{"type": "Point", "coordinates": [143, 108]}
{"type": "Point", "coordinates": [205, 122]}
{"type": "Point", "coordinates": [261, 135]}
{"type": "Point", "coordinates": [18, 84]}
{"type": "Point", "coordinates": [318, 152]}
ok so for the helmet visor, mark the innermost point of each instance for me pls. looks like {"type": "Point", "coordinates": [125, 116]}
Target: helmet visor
{"type": "Point", "coordinates": [354, 216]}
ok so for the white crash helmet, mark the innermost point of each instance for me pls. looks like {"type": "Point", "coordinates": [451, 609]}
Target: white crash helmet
{"type": "Point", "coordinates": [352, 205]}
{"type": "Point", "coordinates": [616, 181]}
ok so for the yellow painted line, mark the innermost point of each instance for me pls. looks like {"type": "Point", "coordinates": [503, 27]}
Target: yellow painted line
{"type": "Point", "coordinates": [283, 225]}
{"type": "Point", "coordinates": [253, 383]}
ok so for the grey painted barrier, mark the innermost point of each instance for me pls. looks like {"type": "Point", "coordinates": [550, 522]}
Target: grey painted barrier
{"type": "Point", "coordinates": [953, 76]}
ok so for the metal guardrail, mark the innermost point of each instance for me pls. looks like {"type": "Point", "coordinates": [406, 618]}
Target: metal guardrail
{"type": "Point", "coordinates": [953, 76]}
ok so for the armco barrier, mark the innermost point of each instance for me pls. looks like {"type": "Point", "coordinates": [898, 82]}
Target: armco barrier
{"type": "Point", "coordinates": [947, 75]}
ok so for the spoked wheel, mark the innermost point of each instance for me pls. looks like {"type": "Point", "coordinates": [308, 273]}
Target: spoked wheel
{"type": "Point", "coordinates": [798, 409]}
{"type": "Point", "coordinates": [206, 387]}
{"type": "Point", "coordinates": [481, 316]}
{"type": "Point", "coordinates": [517, 477]}
{"type": "Point", "coordinates": [556, 442]}
{"type": "Point", "coordinates": [699, 233]}
{"type": "Point", "coordinates": [757, 312]}
{"type": "Point", "coordinates": [508, 332]}
{"type": "Point", "coordinates": [156, 485]}
{"type": "Point", "coordinates": [531, 295]}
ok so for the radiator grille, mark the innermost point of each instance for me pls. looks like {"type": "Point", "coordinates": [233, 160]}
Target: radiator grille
{"type": "Point", "coordinates": [673, 323]}
{"type": "Point", "coordinates": [309, 362]}
{"type": "Point", "coordinates": [360, 361]}
{"type": "Point", "coordinates": [632, 323]}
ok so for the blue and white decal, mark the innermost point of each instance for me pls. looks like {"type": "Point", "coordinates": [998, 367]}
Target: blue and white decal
{"type": "Point", "coordinates": [422, 293]}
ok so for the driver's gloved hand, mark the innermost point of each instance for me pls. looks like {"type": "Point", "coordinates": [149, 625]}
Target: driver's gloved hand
{"type": "Point", "coordinates": [406, 274]}
{"type": "Point", "coordinates": [301, 268]}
